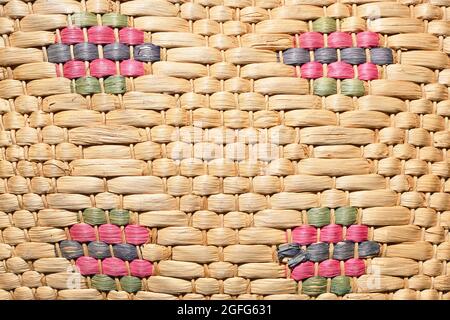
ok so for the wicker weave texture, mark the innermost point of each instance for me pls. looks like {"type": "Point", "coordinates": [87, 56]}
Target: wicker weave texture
{"type": "Point", "coordinates": [165, 149]}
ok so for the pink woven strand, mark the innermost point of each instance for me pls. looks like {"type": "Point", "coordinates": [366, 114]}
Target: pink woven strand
{"type": "Point", "coordinates": [311, 70]}
{"type": "Point", "coordinates": [304, 235]}
{"type": "Point", "coordinates": [110, 233]}
{"type": "Point", "coordinates": [141, 268]}
{"type": "Point", "coordinates": [367, 39]}
{"type": "Point", "coordinates": [114, 267]}
{"type": "Point", "coordinates": [131, 36]}
{"type": "Point", "coordinates": [331, 233]}
{"type": "Point", "coordinates": [339, 40]}
{"type": "Point", "coordinates": [72, 35]}
{"type": "Point", "coordinates": [340, 70]}
{"type": "Point", "coordinates": [82, 232]}
{"type": "Point", "coordinates": [132, 68]}
{"type": "Point", "coordinates": [311, 40]}
{"type": "Point", "coordinates": [303, 271]}
{"type": "Point", "coordinates": [87, 265]}
{"type": "Point", "coordinates": [357, 233]}
{"type": "Point", "coordinates": [102, 68]}
{"type": "Point", "coordinates": [367, 71]}
{"type": "Point", "coordinates": [329, 268]}
{"type": "Point", "coordinates": [58, 71]}
{"type": "Point", "coordinates": [354, 267]}
{"type": "Point", "coordinates": [136, 234]}
{"type": "Point", "coordinates": [74, 69]}
{"type": "Point", "coordinates": [101, 35]}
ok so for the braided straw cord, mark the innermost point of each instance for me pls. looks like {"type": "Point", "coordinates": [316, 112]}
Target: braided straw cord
{"type": "Point", "coordinates": [170, 149]}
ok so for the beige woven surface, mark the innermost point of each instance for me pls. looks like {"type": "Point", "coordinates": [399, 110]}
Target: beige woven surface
{"type": "Point", "coordinates": [219, 149]}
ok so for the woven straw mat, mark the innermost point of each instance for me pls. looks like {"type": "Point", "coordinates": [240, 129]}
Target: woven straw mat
{"type": "Point", "coordinates": [224, 149]}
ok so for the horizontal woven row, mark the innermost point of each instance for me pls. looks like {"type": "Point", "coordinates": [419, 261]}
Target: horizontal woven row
{"type": "Point", "coordinates": [320, 251]}
{"type": "Point", "coordinates": [208, 55]}
{"type": "Point", "coordinates": [224, 262]}
{"type": "Point", "coordinates": [265, 230]}
{"type": "Point", "coordinates": [99, 35]}
{"type": "Point", "coordinates": [408, 114]}
{"type": "Point", "coordinates": [207, 85]}
{"type": "Point", "coordinates": [323, 24]}
{"type": "Point", "coordinates": [265, 41]}
{"type": "Point", "coordinates": [291, 15]}
{"type": "Point", "coordinates": [193, 11]}
{"type": "Point", "coordinates": [374, 216]}
{"type": "Point", "coordinates": [115, 267]}
{"type": "Point", "coordinates": [252, 158]}
{"type": "Point", "coordinates": [59, 53]}
{"type": "Point", "coordinates": [46, 292]}
{"type": "Point", "coordinates": [101, 68]}
{"type": "Point", "coordinates": [232, 286]}
{"type": "Point", "coordinates": [225, 167]}
{"type": "Point", "coordinates": [243, 202]}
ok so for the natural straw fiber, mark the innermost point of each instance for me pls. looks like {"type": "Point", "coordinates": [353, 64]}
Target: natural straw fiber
{"type": "Point", "coordinates": [265, 149]}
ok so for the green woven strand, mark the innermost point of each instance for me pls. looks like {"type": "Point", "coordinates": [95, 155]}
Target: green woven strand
{"type": "Point", "coordinates": [352, 87]}
{"type": "Point", "coordinates": [130, 284]}
{"type": "Point", "coordinates": [319, 217]}
{"type": "Point", "coordinates": [115, 20]}
{"type": "Point", "coordinates": [340, 285]}
{"type": "Point", "coordinates": [119, 217]}
{"type": "Point", "coordinates": [103, 282]}
{"type": "Point", "coordinates": [115, 85]}
{"type": "Point", "coordinates": [325, 87]}
{"type": "Point", "coordinates": [314, 286]}
{"type": "Point", "coordinates": [324, 25]}
{"type": "Point", "coordinates": [87, 85]}
{"type": "Point", "coordinates": [84, 19]}
{"type": "Point", "coordinates": [345, 215]}
{"type": "Point", "coordinates": [94, 216]}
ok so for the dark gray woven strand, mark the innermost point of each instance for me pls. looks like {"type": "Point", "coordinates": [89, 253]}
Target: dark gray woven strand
{"type": "Point", "coordinates": [353, 55]}
{"type": "Point", "coordinates": [381, 56]}
{"type": "Point", "coordinates": [343, 250]}
{"type": "Point", "coordinates": [58, 53]}
{"type": "Point", "coordinates": [147, 52]}
{"type": "Point", "coordinates": [325, 55]}
{"type": "Point", "coordinates": [116, 51]}
{"type": "Point", "coordinates": [85, 51]}
{"type": "Point", "coordinates": [288, 250]}
{"type": "Point", "coordinates": [71, 249]}
{"type": "Point", "coordinates": [296, 56]}
{"type": "Point", "coordinates": [302, 256]}
{"type": "Point", "coordinates": [368, 249]}
{"type": "Point", "coordinates": [125, 251]}
{"type": "Point", "coordinates": [318, 251]}
{"type": "Point", "coordinates": [99, 250]}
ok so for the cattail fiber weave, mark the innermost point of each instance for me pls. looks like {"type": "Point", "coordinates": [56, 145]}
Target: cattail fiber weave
{"type": "Point", "coordinates": [224, 149]}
